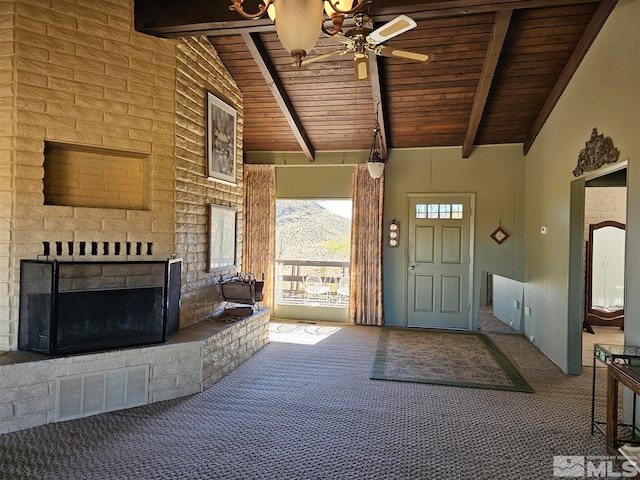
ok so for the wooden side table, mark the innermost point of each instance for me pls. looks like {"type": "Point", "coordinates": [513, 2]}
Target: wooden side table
{"type": "Point", "coordinates": [629, 376]}
{"type": "Point", "coordinates": [608, 354]}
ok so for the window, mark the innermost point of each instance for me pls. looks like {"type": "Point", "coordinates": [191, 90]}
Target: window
{"type": "Point", "coordinates": [443, 211]}
{"type": "Point", "coordinates": [313, 243]}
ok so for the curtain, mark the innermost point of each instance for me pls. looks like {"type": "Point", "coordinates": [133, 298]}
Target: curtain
{"type": "Point", "coordinates": [365, 299]}
{"type": "Point", "coordinates": [259, 238]}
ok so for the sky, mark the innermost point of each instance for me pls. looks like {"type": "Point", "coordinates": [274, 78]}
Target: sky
{"type": "Point", "coordinates": [339, 207]}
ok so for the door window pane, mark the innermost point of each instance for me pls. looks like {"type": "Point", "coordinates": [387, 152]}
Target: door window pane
{"type": "Point", "coordinates": [456, 210]}
{"type": "Point", "coordinates": [421, 210]}
{"type": "Point", "coordinates": [445, 211]}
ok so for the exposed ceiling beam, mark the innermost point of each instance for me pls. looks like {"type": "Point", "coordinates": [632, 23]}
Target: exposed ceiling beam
{"type": "Point", "coordinates": [172, 18]}
{"type": "Point", "coordinates": [272, 79]}
{"type": "Point", "coordinates": [498, 35]}
{"type": "Point", "coordinates": [376, 91]}
{"type": "Point", "coordinates": [598, 20]}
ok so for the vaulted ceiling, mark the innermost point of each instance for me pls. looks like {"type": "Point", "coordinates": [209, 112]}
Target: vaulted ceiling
{"type": "Point", "coordinates": [498, 69]}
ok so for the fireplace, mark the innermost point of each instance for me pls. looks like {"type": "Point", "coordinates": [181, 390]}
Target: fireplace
{"type": "Point", "coordinates": [79, 307]}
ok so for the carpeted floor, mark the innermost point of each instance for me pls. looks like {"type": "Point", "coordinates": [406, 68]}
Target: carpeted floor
{"type": "Point", "coordinates": [463, 359]}
{"type": "Point", "coordinates": [301, 412]}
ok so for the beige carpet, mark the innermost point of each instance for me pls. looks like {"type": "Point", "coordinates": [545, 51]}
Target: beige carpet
{"type": "Point", "coordinates": [297, 411]}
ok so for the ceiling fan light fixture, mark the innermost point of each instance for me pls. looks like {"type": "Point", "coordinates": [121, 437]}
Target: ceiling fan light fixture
{"type": "Point", "coordinates": [298, 25]}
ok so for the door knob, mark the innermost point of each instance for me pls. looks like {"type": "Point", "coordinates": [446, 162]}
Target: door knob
{"type": "Point", "coordinates": [412, 267]}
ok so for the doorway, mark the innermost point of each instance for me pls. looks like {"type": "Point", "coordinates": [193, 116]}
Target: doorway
{"type": "Point", "coordinates": [313, 245]}
{"type": "Point", "coordinates": [593, 199]}
{"type": "Point", "coordinates": [440, 246]}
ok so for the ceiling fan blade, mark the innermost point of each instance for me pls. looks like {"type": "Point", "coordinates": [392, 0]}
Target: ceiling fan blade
{"type": "Point", "coordinates": [404, 54]}
{"type": "Point", "coordinates": [324, 56]}
{"type": "Point", "coordinates": [361, 63]}
{"type": "Point", "coordinates": [391, 29]}
{"type": "Point", "coordinates": [342, 39]}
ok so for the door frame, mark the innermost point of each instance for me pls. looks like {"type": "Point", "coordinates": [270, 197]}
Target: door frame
{"type": "Point", "coordinates": [576, 264]}
{"type": "Point", "coordinates": [471, 319]}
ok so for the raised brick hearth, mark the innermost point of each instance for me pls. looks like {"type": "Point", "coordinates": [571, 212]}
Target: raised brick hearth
{"type": "Point", "coordinates": [193, 360]}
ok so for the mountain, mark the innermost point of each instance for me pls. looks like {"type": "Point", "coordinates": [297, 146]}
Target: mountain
{"type": "Point", "coordinates": [305, 230]}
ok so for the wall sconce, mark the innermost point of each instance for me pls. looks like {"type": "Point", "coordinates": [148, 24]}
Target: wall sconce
{"type": "Point", "coordinates": [393, 235]}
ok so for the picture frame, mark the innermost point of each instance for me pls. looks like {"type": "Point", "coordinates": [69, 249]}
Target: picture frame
{"type": "Point", "coordinates": [221, 134]}
{"type": "Point", "coordinates": [222, 237]}
{"type": "Point", "coordinates": [499, 235]}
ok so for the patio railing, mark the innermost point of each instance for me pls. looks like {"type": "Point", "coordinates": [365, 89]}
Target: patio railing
{"type": "Point", "coordinates": [290, 282]}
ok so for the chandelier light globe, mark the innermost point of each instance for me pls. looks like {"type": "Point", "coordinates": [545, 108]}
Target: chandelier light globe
{"type": "Point", "coordinates": [298, 25]}
{"type": "Point", "coordinates": [376, 169]}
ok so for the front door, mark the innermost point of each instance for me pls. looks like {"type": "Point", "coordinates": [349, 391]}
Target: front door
{"type": "Point", "coordinates": [439, 261]}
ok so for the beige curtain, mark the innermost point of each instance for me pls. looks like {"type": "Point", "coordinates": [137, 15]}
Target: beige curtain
{"type": "Point", "coordinates": [259, 239]}
{"type": "Point", "coordinates": [365, 298]}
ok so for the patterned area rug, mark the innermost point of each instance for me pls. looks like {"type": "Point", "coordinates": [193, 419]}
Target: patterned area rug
{"type": "Point", "coordinates": [460, 359]}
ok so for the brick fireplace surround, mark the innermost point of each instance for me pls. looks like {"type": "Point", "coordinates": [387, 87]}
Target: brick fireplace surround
{"type": "Point", "coordinates": [193, 360]}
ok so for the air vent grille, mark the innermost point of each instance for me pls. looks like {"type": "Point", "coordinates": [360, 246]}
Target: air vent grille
{"type": "Point", "coordinates": [88, 394]}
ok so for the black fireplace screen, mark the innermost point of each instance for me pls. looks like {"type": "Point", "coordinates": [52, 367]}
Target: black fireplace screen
{"type": "Point", "coordinates": [74, 307]}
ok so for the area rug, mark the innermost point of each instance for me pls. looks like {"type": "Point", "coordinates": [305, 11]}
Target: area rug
{"type": "Point", "coordinates": [462, 359]}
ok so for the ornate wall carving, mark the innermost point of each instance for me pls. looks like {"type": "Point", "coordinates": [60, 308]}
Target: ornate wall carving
{"type": "Point", "coordinates": [598, 151]}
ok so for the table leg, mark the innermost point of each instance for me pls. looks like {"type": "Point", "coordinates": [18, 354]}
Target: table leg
{"type": "Point", "coordinates": [633, 421]}
{"type": "Point", "coordinates": [612, 413]}
{"type": "Point", "coordinates": [593, 395]}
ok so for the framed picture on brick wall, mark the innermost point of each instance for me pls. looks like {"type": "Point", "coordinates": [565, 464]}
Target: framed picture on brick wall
{"type": "Point", "coordinates": [222, 126]}
{"type": "Point", "coordinates": [222, 237]}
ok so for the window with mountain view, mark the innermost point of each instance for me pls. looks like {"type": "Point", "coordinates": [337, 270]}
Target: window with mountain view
{"type": "Point", "coordinates": [313, 244]}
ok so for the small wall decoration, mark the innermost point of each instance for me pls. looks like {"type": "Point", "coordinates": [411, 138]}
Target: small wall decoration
{"type": "Point", "coordinates": [499, 235]}
{"type": "Point", "coordinates": [598, 151]}
{"type": "Point", "coordinates": [221, 140]}
{"type": "Point", "coordinates": [394, 234]}
{"type": "Point", "coordinates": [222, 237]}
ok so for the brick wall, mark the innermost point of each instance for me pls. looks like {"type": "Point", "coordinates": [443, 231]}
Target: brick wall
{"type": "Point", "coordinates": [81, 178]}
{"type": "Point", "coordinates": [82, 77]}
{"type": "Point", "coordinates": [7, 142]}
{"type": "Point", "coordinates": [198, 70]}
{"type": "Point", "coordinates": [604, 203]}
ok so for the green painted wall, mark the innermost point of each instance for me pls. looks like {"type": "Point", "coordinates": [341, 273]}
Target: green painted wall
{"type": "Point", "coordinates": [494, 173]}
{"type": "Point", "coordinates": [318, 182]}
{"type": "Point", "coordinates": [604, 93]}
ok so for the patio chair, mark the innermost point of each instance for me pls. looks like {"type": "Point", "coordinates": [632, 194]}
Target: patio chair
{"type": "Point", "coordinates": [343, 289]}
{"type": "Point", "coordinates": [315, 290]}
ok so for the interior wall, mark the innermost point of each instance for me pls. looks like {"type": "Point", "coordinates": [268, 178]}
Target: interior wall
{"type": "Point", "coordinates": [312, 181]}
{"type": "Point", "coordinates": [198, 70]}
{"type": "Point", "coordinates": [83, 78]}
{"type": "Point", "coordinates": [78, 75]}
{"type": "Point", "coordinates": [594, 98]}
{"type": "Point", "coordinates": [495, 174]}
{"type": "Point", "coordinates": [7, 176]}
{"type": "Point", "coordinates": [507, 301]}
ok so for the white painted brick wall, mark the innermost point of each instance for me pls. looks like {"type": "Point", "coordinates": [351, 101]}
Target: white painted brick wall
{"type": "Point", "coordinates": [177, 369]}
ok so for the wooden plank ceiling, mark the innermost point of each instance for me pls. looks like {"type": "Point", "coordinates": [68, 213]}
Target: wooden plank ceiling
{"type": "Point", "coordinates": [498, 69]}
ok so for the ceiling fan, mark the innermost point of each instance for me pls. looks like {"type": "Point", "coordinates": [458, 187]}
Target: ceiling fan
{"type": "Point", "coordinates": [361, 40]}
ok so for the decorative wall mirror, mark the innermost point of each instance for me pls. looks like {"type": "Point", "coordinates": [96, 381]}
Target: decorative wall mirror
{"type": "Point", "coordinates": [604, 289]}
